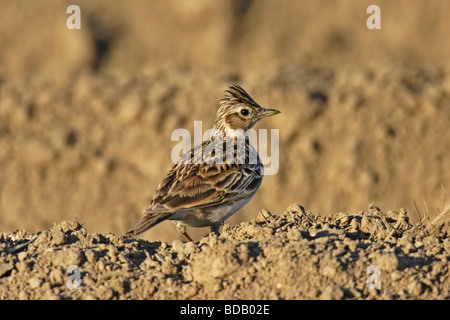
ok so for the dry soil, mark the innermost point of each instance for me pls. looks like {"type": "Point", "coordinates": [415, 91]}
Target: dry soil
{"type": "Point", "coordinates": [294, 255]}
{"type": "Point", "coordinates": [86, 118]}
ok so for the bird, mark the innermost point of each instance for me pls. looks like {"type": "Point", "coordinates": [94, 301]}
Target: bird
{"type": "Point", "coordinates": [212, 180]}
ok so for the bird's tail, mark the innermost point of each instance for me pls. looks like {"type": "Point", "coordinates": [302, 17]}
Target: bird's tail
{"type": "Point", "coordinates": [149, 220]}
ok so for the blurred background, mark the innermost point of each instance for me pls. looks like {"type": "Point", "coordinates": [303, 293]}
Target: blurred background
{"type": "Point", "coordinates": [86, 116]}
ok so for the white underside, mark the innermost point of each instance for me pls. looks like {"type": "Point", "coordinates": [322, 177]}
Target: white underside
{"type": "Point", "coordinates": [216, 216]}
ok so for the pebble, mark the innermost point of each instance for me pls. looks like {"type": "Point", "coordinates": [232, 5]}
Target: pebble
{"type": "Point", "coordinates": [332, 293]}
{"type": "Point", "coordinates": [296, 208]}
{"type": "Point", "coordinates": [58, 237]}
{"type": "Point", "coordinates": [34, 283]}
{"type": "Point", "coordinates": [90, 256]}
{"type": "Point", "coordinates": [350, 244]}
{"type": "Point", "coordinates": [396, 276]}
{"type": "Point", "coordinates": [5, 267]}
{"type": "Point", "coordinates": [329, 271]}
{"type": "Point", "coordinates": [57, 276]}
{"type": "Point", "coordinates": [22, 255]}
{"type": "Point", "coordinates": [387, 261]}
{"type": "Point", "coordinates": [256, 231]}
{"type": "Point", "coordinates": [177, 245]}
{"type": "Point", "coordinates": [415, 288]}
{"type": "Point", "coordinates": [294, 234]}
{"type": "Point", "coordinates": [338, 252]}
{"type": "Point", "coordinates": [447, 245]}
{"type": "Point", "coordinates": [23, 295]}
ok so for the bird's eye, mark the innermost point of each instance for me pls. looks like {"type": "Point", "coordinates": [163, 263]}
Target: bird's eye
{"type": "Point", "coordinates": [244, 112]}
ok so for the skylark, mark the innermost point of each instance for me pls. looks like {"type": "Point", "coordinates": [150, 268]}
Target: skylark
{"type": "Point", "coordinates": [212, 181]}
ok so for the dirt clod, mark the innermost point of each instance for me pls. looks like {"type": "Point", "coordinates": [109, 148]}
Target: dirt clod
{"type": "Point", "coordinates": [294, 255]}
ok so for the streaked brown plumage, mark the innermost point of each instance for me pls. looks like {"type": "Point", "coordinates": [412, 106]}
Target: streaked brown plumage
{"type": "Point", "coordinates": [217, 181]}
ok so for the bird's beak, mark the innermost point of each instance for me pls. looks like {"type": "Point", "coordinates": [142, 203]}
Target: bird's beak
{"type": "Point", "coordinates": [269, 112]}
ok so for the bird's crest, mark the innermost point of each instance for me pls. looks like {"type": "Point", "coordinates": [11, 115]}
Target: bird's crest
{"type": "Point", "coordinates": [236, 95]}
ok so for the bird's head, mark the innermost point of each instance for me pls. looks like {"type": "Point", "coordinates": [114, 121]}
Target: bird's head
{"type": "Point", "coordinates": [238, 112]}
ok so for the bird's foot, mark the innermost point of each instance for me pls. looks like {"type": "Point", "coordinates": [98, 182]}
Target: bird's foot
{"type": "Point", "coordinates": [182, 230]}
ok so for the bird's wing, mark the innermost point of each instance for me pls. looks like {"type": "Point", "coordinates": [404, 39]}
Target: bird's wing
{"type": "Point", "coordinates": [195, 186]}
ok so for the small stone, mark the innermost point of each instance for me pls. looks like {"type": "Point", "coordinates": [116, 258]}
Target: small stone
{"type": "Point", "coordinates": [265, 216]}
{"type": "Point", "coordinates": [354, 224]}
{"type": "Point", "coordinates": [332, 293]}
{"type": "Point", "coordinates": [52, 296]}
{"type": "Point", "coordinates": [418, 244]}
{"type": "Point", "coordinates": [388, 261]}
{"type": "Point", "coordinates": [23, 295]}
{"type": "Point", "coordinates": [396, 276]}
{"type": "Point", "coordinates": [409, 248]}
{"type": "Point", "coordinates": [344, 218]}
{"type": "Point", "coordinates": [89, 296]}
{"type": "Point", "coordinates": [44, 237]}
{"type": "Point", "coordinates": [106, 294]}
{"type": "Point", "coordinates": [22, 255]}
{"type": "Point", "coordinates": [177, 246]}
{"type": "Point", "coordinates": [294, 234]}
{"type": "Point", "coordinates": [296, 208]}
{"type": "Point", "coordinates": [437, 269]}
{"type": "Point", "coordinates": [191, 290]}
{"type": "Point", "coordinates": [67, 226]}
{"type": "Point", "coordinates": [34, 283]}
{"type": "Point", "coordinates": [329, 271]}
{"type": "Point", "coordinates": [22, 266]}
{"type": "Point", "coordinates": [67, 257]}
{"type": "Point", "coordinates": [75, 256]}
{"type": "Point", "coordinates": [112, 254]}
{"type": "Point", "coordinates": [255, 231]}
{"type": "Point", "coordinates": [57, 276]}
{"type": "Point", "coordinates": [163, 245]}
{"type": "Point", "coordinates": [313, 233]}
{"type": "Point", "coordinates": [339, 252]}
{"type": "Point", "coordinates": [350, 244]}
{"type": "Point", "coordinates": [90, 256]}
{"type": "Point", "coordinates": [447, 245]}
{"type": "Point", "coordinates": [189, 247]}
{"type": "Point", "coordinates": [5, 268]}
{"type": "Point", "coordinates": [58, 237]}
{"type": "Point", "coordinates": [415, 288]}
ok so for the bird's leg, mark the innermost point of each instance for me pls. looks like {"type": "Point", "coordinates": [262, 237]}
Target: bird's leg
{"type": "Point", "coordinates": [215, 228]}
{"type": "Point", "coordinates": [182, 229]}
